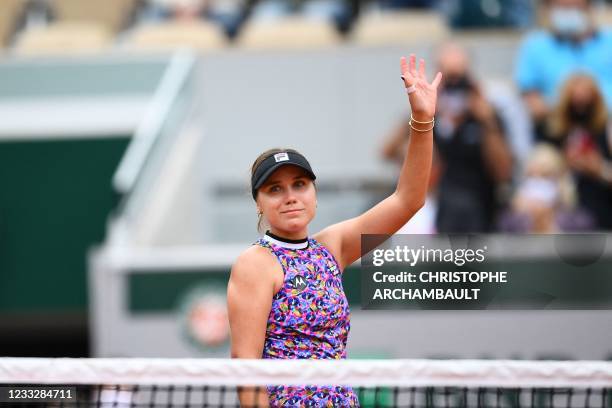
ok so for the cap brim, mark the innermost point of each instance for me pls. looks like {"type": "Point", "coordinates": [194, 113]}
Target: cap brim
{"type": "Point", "coordinates": [276, 166]}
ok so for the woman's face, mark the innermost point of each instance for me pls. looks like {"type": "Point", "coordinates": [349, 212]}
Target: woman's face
{"type": "Point", "coordinates": [288, 201]}
{"type": "Point", "coordinates": [582, 101]}
{"type": "Point", "coordinates": [582, 93]}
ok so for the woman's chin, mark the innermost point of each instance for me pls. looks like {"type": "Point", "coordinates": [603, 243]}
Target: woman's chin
{"type": "Point", "coordinates": [293, 226]}
{"type": "Point", "coordinates": [297, 227]}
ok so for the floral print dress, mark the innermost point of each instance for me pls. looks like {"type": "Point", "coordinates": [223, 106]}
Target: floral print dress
{"type": "Point", "coordinates": [309, 319]}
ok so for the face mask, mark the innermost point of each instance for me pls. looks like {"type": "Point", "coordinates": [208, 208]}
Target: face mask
{"type": "Point", "coordinates": [569, 22]}
{"type": "Point", "coordinates": [540, 189]}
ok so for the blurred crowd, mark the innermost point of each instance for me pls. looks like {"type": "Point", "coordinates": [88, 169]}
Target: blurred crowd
{"type": "Point", "coordinates": [232, 14]}
{"type": "Point", "coordinates": [563, 71]}
{"type": "Point", "coordinates": [43, 26]}
{"type": "Point", "coordinates": [564, 74]}
{"type": "Point", "coordinates": [115, 17]}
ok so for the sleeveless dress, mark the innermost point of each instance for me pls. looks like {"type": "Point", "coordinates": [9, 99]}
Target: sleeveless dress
{"type": "Point", "coordinates": [309, 319]}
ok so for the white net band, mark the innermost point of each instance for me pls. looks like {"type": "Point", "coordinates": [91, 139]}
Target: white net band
{"type": "Point", "coordinates": [366, 373]}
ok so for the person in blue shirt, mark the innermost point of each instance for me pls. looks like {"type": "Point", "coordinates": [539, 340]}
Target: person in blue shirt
{"type": "Point", "coordinates": [572, 43]}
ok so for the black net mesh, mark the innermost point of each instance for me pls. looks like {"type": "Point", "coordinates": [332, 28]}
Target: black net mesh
{"type": "Point", "coordinates": [151, 396]}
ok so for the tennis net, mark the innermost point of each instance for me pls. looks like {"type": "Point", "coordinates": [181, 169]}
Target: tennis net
{"type": "Point", "coordinates": [377, 383]}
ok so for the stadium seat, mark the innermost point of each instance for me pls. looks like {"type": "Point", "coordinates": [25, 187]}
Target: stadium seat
{"type": "Point", "coordinates": [288, 32]}
{"type": "Point", "coordinates": [396, 28]}
{"type": "Point", "coordinates": [11, 10]}
{"type": "Point", "coordinates": [200, 35]}
{"type": "Point", "coordinates": [113, 14]}
{"type": "Point", "coordinates": [64, 38]}
{"type": "Point", "coordinates": [503, 37]}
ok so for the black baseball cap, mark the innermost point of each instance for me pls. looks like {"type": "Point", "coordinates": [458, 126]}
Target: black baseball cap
{"type": "Point", "coordinates": [275, 161]}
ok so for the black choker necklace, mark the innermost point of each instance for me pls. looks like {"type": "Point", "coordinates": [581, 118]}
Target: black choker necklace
{"type": "Point", "coordinates": [285, 242]}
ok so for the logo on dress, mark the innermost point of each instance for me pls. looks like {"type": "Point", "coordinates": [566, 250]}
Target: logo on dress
{"type": "Point", "coordinates": [298, 282]}
{"type": "Point", "coordinates": [279, 157]}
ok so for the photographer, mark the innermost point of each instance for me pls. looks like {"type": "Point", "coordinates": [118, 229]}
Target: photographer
{"type": "Point", "coordinates": [470, 144]}
{"type": "Point", "coordinates": [473, 157]}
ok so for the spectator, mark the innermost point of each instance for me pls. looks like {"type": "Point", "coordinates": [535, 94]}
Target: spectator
{"type": "Point", "coordinates": [271, 9]}
{"type": "Point", "coordinates": [489, 14]}
{"type": "Point", "coordinates": [472, 154]}
{"type": "Point", "coordinates": [400, 4]}
{"type": "Point", "coordinates": [547, 57]}
{"type": "Point", "coordinates": [230, 14]}
{"type": "Point", "coordinates": [178, 9]}
{"type": "Point", "coordinates": [470, 144]}
{"type": "Point", "coordinates": [337, 12]}
{"type": "Point", "coordinates": [579, 126]}
{"type": "Point", "coordinates": [544, 201]}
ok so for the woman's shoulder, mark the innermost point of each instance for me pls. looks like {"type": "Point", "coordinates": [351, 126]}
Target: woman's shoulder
{"type": "Point", "coordinates": [254, 272]}
{"type": "Point", "coordinates": [254, 254]}
{"type": "Point", "coordinates": [254, 258]}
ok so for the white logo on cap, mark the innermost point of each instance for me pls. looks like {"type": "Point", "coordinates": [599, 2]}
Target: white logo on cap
{"type": "Point", "coordinates": [279, 157]}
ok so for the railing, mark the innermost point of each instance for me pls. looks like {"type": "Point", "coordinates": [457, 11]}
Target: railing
{"type": "Point", "coordinates": [151, 127]}
{"type": "Point", "coordinates": [167, 112]}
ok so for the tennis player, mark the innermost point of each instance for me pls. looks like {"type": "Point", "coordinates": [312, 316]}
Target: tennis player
{"type": "Point", "coordinates": [285, 295]}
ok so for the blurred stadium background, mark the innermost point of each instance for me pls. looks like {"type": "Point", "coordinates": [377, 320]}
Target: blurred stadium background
{"type": "Point", "coordinates": [127, 130]}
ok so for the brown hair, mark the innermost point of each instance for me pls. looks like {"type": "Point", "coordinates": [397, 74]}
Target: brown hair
{"type": "Point", "coordinates": [560, 122]}
{"type": "Point", "coordinates": [256, 164]}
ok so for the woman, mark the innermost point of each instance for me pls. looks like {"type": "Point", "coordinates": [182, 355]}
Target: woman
{"type": "Point", "coordinates": [579, 125]}
{"type": "Point", "coordinates": [285, 296]}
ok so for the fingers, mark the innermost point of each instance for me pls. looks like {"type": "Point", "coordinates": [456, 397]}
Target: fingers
{"type": "Point", "coordinates": [437, 80]}
{"type": "Point", "coordinates": [410, 72]}
{"type": "Point", "coordinates": [403, 66]}
{"type": "Point", "coordinates": [406, 77]}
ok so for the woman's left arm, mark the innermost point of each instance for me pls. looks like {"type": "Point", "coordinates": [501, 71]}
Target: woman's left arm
{"type": "Point", "coordinates": [388, 216]}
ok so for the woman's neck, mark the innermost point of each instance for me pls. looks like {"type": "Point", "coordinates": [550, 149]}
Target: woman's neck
{"type": "Point", "coordinates": [288, 236]}
{"type": "Point", "coordinates": [286, 242]}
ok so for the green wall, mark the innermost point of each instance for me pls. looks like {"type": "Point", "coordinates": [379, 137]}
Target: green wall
{"type": "Point", "coordinates": [161, 291]}
{"type": "Point", "coordinates": [531, 286]}
{"type": "Point", "coordinates": [55, 198]}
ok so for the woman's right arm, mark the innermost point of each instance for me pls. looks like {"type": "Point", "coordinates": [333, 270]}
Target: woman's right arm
{"type": "Point", "coordinates": [249, 298]}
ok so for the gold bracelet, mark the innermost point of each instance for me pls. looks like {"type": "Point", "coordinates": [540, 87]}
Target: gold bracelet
{"type": "Point", "coordinates": [421, 130]}
{"type": "Point", "coordinates": [412, 119]}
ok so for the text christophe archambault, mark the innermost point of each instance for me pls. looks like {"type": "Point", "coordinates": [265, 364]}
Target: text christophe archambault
{"type": "Point", "coordinates": [444, 282]}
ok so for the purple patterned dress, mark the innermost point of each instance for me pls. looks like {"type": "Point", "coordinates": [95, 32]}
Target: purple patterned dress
{"type": "Point", "coordinates": [309, 318]}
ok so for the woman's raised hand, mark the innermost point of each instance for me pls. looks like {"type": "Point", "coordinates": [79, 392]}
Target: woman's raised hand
{"type": "Point", "coordinates": [421, 94]}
